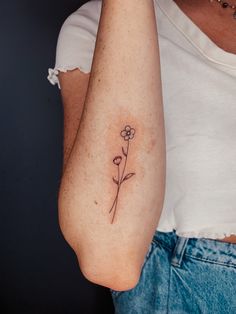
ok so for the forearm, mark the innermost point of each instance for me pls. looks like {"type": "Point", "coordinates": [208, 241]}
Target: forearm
{"type": "Point", "coordinates": [109, 223]}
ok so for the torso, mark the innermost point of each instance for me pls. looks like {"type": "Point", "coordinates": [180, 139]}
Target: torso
{"type": "Point", "coordinates": [219, 25]}
{"type": "Point", "coordinates": [231, 239]}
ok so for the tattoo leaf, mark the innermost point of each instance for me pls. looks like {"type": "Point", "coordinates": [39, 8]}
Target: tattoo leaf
{"type": "Point", "coordinates": [125, 154]}
{"type": "Point", "coordinates": [129, 175]}
{"type": "Point", "coordinates": [116, 181]}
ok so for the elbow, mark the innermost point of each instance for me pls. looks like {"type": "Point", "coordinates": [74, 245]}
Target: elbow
{"type": "Point", "coordinates": [113, 278]}
{"type": "Point", "coordinates": [116, 271]}
{"type": "Point", "coordinates": [108, 273]}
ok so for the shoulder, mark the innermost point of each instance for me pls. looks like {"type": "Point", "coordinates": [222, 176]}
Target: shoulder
{"type": "Point", "coordinates": [87, 15]}
{"type": "Point", "coordinates": [76, 40]}
{"type": "Point", "coordinates": [79, 31]}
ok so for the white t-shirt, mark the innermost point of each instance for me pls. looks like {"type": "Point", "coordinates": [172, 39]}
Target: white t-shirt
{"type": "Point", "coordinates": [199, 94]}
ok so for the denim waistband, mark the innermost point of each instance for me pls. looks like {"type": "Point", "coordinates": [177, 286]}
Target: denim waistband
{"type": "Point", "coordinates": [200, 248]}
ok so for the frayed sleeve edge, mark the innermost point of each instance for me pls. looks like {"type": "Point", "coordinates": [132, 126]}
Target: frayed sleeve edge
{"type": "Point", "coordinates": [53, 73]}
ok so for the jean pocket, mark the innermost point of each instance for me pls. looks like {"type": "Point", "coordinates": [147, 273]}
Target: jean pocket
{"type": "Point", "coordinates": [116, 293]}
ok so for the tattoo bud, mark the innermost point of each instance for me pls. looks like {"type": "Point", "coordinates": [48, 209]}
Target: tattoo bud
{"type": "Point", "coordinates": [117, 160]}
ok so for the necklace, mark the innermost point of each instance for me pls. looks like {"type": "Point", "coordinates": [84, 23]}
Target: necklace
{"type": "Point", "coordinates": [225, 5]}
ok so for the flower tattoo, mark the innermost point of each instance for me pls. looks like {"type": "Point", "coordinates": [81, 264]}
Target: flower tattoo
{"type": "Point", "coordinates": [128, 134]}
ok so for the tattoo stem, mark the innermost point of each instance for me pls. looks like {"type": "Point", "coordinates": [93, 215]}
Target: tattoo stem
{"type": "Point", "coordinates": [116, 204]}
{"type": "Point", "coordinates": [127, 133]}
{"type": "Point", "coordinates": [125, 162]}
{"type": "Point", "coordinates": [120, 181]}
{"type": "Point", "coordinates": [117, 192]}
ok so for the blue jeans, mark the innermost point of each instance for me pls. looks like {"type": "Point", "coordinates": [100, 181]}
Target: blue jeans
{"type": "Point", "coordinates": [183, 275]}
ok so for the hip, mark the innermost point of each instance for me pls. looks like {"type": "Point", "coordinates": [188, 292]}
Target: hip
{"type": "Point", "coordinates": [183, 275]}
{"type": "Point", "coordinates": [230, 239]}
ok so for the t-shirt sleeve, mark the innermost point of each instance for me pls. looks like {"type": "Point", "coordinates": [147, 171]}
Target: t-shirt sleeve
{"type": "Point", "coordinates": [76, 41]}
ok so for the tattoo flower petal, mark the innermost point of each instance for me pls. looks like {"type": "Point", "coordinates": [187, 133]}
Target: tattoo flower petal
{"type": "Point", "coordinates": [117, 160]}
{"type": "Point", "coordinates": [123, 133]}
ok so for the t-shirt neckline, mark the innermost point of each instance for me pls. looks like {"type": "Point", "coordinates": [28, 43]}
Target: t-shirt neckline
{"type": "Point", "coordinates": [195, 35]}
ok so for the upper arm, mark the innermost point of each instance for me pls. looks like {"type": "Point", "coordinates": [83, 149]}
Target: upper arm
{"type": "Point", "coordinates": [74, 86]}
{"type": "Point", "coordinates": [74, 55]}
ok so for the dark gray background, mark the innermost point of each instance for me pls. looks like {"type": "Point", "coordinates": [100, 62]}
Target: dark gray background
{"type": "Point", "coordinates": [39, 272]}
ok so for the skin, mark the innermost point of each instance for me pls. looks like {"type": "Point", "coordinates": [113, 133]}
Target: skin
{"type": "Point", "coordinates": [74, 86]}
{"type": "Point", "coordinates": [111, 253]}
{"type": "Point", "coordinates": [218, 22]}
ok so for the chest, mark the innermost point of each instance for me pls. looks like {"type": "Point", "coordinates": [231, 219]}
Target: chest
{"type": "Point", "coordinates": [198, 98]}
{"type": "Point", "coordinates": [217, 23]}
{"type": "Point", "coordinates": [223, 36]}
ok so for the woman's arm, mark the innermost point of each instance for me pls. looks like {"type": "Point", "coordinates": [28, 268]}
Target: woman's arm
{"type": "Point", "coordinates": [74, 84]}
{"type": "Point", "coordinates": [111, 198]}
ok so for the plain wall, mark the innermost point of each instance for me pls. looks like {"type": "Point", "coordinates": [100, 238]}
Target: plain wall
{"type": "Point", "coordinates": [39, 271]}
